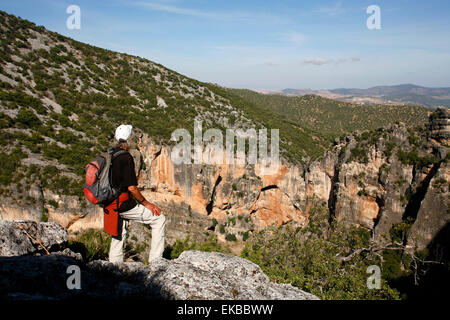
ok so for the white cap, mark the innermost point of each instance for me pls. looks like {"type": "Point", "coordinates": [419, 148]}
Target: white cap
{"type": "Point", "coordinates": [123, 132]}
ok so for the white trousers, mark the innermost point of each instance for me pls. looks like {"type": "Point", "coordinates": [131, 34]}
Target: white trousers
{"type": "Point", "coordinates": [143, 215]}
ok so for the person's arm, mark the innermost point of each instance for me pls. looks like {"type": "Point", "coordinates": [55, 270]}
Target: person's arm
{"type": "Point", "coordinates": [140, 198]}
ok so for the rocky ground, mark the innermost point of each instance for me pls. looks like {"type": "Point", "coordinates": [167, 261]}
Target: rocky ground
{"type": "Point", "coordinates": [27, 272]}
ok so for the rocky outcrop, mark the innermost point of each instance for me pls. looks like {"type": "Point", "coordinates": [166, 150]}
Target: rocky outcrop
{"type": "Point", "coordinates": [193, 275]}
{"type": "Point", "coordinates": [439, 126]}
{"type": "Point", "coordinates": [433, 214]}
{"type": "Point", "coordinates": [23, 237]}
{"type": "Point", "coordinates": [211, 275]}
{"type": "Point", "coordinates": [402, 177]}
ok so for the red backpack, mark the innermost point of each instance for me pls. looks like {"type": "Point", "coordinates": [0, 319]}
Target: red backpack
{"type": "Point", "coordinates": [98, 187]}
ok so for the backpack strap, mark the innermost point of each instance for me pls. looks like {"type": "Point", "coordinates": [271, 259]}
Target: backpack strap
{"type": "Point", "coordinates": [115, 154]}
{"type": "Point", "coordinates": [118, 153]}
{"type": "Point", "coordinates": [91, 164]}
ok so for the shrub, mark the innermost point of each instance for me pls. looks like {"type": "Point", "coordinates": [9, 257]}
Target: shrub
{"type": "Point", "coordinates": [53, 203]}
{"type": "Point", "coordinates": [384, 168]}
{"type": "Point", "coordinates": [5, 121]}
{"type": "Point", "coordinates": [389, 147]}
{"type": "Point", "coordinates": [44, 217]}
{"type": "Point", "coordinates": [358, 154]}
{"type": "Point", "coordinates": [27, 118]}
{"type": "Point", "coordinates": [399, 231]}
{"type": "Point", "coordinates": [413, 158]}
{"type": "Point", "coordinates": [7, 167]}
{"type": "Point", "coordinates": [92, 244]}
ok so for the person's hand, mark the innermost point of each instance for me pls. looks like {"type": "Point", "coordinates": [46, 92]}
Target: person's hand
{"type": "Point", "coordinates": [156, 211]}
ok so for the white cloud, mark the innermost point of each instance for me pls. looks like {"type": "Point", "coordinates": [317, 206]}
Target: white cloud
{"type": "Point", "coordinates": [315, 61]}
{"type": "Point", "coordinates": [334, 10]}
{"type": "Point", "coordinates": [177, 10]}
{"type": "Point", "coordinates": [322, 61]}
{"type": "Point", "coordinates": [214, 15]}
{"type": "Point", "coordinates": [351, 59]}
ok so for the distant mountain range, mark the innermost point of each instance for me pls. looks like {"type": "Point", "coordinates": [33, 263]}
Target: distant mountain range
{"type": "Point", "coordinates": [398, 94]}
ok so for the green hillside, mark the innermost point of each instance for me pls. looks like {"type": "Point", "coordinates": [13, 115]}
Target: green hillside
{"type": "Point", "coordinates": [333, 117]}
{"type": "Point", "coordinates": [61, 100]}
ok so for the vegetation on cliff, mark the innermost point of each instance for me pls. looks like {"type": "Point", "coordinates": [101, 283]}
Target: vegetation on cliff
{"type": "Point", "coordinates": [315, 258]}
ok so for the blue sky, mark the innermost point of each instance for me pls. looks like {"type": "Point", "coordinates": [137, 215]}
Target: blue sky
{"type": "Point", "coordinates": [267, 44]}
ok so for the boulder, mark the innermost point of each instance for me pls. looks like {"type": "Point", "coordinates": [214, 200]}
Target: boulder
{"type": "Point", "coordinates": [214, 275]}
{"type": "Point", "coordinates": [21, 237]}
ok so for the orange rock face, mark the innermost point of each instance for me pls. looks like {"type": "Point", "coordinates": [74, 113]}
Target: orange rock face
{"type": "Point", "coordinates": [215, 189]}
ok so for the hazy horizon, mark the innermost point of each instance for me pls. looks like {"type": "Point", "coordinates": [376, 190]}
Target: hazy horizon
{"type": "Point", "coordinates": [360, 88]}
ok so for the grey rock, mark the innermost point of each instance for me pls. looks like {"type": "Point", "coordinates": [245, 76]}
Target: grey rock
{"type": "Point", "coordinates": [194, 275]}
{"type": "Point", "coordinates": [433, 214]}
{"type": "Point", "coordinates": [69, 253]}
{"type": "Point", "coordinates": [439, 125]}
{"type": "Point", "coordinates": [14, 240]}
{"type": "Point", "coordinates": [213, 275]}
{"type": "Point", "coordinates": [27, 273]}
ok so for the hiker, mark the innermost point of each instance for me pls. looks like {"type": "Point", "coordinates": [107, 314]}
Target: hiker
{"type": "Point", "coordinates": [132, 205]}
